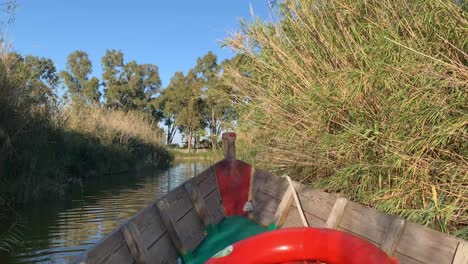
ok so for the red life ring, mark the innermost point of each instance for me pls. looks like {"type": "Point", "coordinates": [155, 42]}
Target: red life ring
{"type": "Point", "coordinates": [302, 244]}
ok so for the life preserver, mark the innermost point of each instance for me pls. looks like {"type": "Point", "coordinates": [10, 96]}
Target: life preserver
{"type": "Point", "coordinates": [302, 244]}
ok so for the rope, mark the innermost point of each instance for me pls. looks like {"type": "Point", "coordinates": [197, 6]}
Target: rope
{"type": "Point", "coordinates": [296, 199]}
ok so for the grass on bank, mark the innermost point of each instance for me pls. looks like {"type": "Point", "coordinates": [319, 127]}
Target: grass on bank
{"type": "Point", "coordinates": [364, 98]}
{"type": "Point", "coordinates": [208, 154]}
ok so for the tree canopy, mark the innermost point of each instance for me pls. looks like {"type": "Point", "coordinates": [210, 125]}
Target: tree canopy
{"type": "Point", "coordinates": [76, 77]}
{"type": "Point", "coordinates": [129, 86]}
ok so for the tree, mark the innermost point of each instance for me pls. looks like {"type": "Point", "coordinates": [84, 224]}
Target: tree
{"type": "Point", "coordinates": [217, 107]}
{"type": "Point", "coordinates": [129, 86]}
{"type": "Point", "coordinates": [181, 104]}
{"type": "Point", "coordinates": [35, 77]}
{"type": "Point", "coordinates": [76, 77]}
{"type": "Point", "coordinates": [165, 108]}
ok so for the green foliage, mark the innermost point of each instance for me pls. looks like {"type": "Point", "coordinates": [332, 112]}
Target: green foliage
{"type": "Point", "coordinates": [129, 86]}
{"type": "Point", "coordinates": [217, 108]}
{"type": "Point", "coordinates": [76, 78]}
{"type": "Point", "coordinates": [364, 98]}
{"type": "Point", "coordinates": [185, 92]}
{"type": "Point", "coordinates": [44, 148]}
{"type": "Point", "coordinates": [195, 101]}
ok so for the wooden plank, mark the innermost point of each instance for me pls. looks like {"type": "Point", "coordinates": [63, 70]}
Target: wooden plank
{"type": "Point", "coordinates": [149, 224]}
{"type": "Point", "coordinates": [133, 238]}
{"type": "Point", "coordinates": [153, 232]}
{"type": "Point", "coordinates": [208, 207]}
{"type": "Point", "coordinates": [190, 230]}
{"type": "Point", "coordinates": [122, 256]}
{"type": "Point", "coordinates": [283, 208]}
{"type": "Point", "coordinates": [461, 255]}
{"type": "Point", "coordinates": [205, 181]}
{"type": "Point", "coordinates": [374, 227]}
{"type": "Point", "coordinates": [265, 207]}
{"type": "Point", "coordinates": [393, 235]}
{"type": "Point", "coordinates": [186, 230]}
{"type": "Point", "coordinates": [145, 218]}
{"type": "Point", "coordinates": [426, 245]}
{"type": "Point", "coordinates": [112, 245]}
{"type": "Point", "coordinates": [270, 184]}
{"type": "Point", "coordinates": [198, 201]}
{"type": "Point", "coordinates": [178, 203]}
{"type": "Point", "coordinates": [315, 202]}
{"type": "Point", "coordinates": [294, 220]}
{"type": "Point", "coordinates": [405, 259]}
{"type": "Point", "coordinates": [163, 251]}
{"type": "Point", "coordinates": [336, 213]}
{"type": "Point", "coordinates": [214, 211]}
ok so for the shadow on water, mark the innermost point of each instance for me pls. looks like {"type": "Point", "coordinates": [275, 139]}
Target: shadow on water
{"type": "Point", "coordinates": [56, 231]}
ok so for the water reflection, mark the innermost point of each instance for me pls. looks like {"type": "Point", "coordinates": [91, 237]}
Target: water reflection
{"type": "Point", "coordinates": [55, 232]}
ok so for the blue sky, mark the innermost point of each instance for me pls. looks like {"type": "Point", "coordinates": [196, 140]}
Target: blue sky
{"type": "Point", "coordinates": [170, 34]}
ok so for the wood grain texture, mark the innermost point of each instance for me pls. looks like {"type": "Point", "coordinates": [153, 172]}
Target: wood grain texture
{"type": "Point", "coordinates": [461, 255]}
{"type": "Point", "coordinates": [366, 222]}
{"type": "Point", "coordinates": [163, 251]}
{"type": "Point", "coordinates": [294, 220]}
{"type": "Point", "coordinates": [170, 225]}
{"type": "Point", "coordinates": [205, 181]}
{"type": "Point", "coordinates": [149, 224]}
{"type": "Point", "coordinates": [120, 256]}
{"type": "Point", "coordinates": [393, 235]}
{"type": "Point", "coordinates": [133, 239]}
{"type": "Point", "coordinates": [426, 245]}
{"type": "Point", "coordinates": [315, 202]}
{"type": "Point", "coordinates": [265, 207]}
{"type": "Point", "coordinates": [190, 230]}
{"type": "Point", "coordinates": [145, 218]}
{"type": "Point", "coordinates": [283, 207]}
{"type": "Point", "coordinates": [405, 259]}
{"type": "Point", "coordinates": [181, 220]}
{"type": "Point", "coordinates": [111, 248]}
{"type": "Point", "coordinates": [336, 213]}
{"type": "Point", "coordinates": [153, 232]}
{"type": "Point", "coordinates": [198, 201]}
{"type": "Point", "coordinates": [214, 212]}
{"type": "Point", "coordinates": [267, 192]}
{"type": "Point", "coordinates": [268, 183]}
{"type": "Point", "coordinates": [178, 203]}
{"type": "Point", "coordinates": [205, 198]}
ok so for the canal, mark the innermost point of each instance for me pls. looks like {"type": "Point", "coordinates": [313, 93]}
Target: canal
{"type": "Point", "coordinates": [57, 231]}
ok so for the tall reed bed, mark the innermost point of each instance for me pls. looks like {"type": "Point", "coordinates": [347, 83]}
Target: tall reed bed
{"type": "Point", "coordinates": [365, 98]}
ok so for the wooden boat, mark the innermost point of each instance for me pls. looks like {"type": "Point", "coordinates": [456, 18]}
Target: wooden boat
{"type": "Point", "coordinates": [176, 224]}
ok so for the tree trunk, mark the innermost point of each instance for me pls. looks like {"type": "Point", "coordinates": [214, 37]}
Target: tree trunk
{"type": "Point", "coordinates": [168, 140]}
{"type": "Point", "coordinates": [213, 128]}
{"type": "Point", "coordinates": [189, 141]}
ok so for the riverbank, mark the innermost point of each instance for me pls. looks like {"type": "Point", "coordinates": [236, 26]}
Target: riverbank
{"type": "Point", "coordinates": [46, 146]}
{"type": "Point", "coordinates": [68, 149]}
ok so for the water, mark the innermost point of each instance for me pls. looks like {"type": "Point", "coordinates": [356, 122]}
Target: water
{"type": "Point", "coordinates": [57, 231]}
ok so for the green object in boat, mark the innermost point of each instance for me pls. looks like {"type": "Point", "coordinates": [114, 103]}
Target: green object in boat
{"type": "Point", "coordinates": [227, 232]}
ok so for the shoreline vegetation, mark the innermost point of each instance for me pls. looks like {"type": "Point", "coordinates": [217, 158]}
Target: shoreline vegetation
{"type": "Point", "coordinates": [363, 98]}
{"type": "Point", "coordinates": [199, 154]}
{"type": "Point", "coordinates": [48, 144]}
